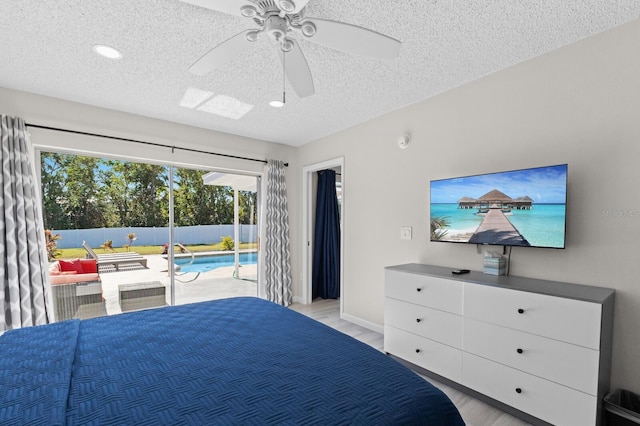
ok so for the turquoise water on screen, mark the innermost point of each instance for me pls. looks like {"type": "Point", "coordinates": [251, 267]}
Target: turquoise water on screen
{"type": "Point", "coordinates": [543, 225]}
{"type": "Point", "coordinates": [209, 263]}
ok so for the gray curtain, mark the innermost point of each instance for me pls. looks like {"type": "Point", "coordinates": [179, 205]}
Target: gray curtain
{"type": "Point", "coordinates": [277, 254]}
{"type": "Point", "coordinates": [25, 296]}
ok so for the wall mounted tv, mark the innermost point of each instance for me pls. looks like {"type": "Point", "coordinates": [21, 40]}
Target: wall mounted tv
{"type": "Point", "coordinates": [515, 208]}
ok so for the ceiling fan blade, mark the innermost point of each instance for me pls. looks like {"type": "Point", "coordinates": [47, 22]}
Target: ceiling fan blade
{"type": "Point", "coordinates": [297, 71]}
{"type": "Point", "coordinates": [353, 39]}
{"type": "Point", "coordinates": [232, 7]}
{"type": "Point", "coordinates": [222, 53]}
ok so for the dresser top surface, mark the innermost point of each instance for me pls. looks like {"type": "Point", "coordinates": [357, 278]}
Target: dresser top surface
{"type": "Point", "coordinates": [532, 285]}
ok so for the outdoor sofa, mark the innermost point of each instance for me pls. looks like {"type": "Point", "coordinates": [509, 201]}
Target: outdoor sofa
{"type": "Point", "coordinates": [76, 289]}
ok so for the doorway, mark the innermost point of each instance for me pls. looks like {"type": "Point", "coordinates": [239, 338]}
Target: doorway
{"type": "Point", "coordinates": [309, 182]}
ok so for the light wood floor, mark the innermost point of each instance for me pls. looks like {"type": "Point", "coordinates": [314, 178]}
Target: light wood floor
{"type": "Point", "coordinates": [473, 411]}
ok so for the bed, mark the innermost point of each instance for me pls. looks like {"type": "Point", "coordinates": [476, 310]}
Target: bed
{"type": "Point", "coordinates": [233, 361]}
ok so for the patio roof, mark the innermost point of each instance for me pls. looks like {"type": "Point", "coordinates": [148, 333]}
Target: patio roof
{"type": "Point", "coordinates": [239, 182]}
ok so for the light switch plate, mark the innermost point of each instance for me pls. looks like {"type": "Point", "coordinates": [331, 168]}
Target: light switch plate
{"type": "Point", "coordinates": [405, 232]}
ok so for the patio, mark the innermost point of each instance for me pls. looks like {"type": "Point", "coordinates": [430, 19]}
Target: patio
{"type": "Point", "coordinates": [216, 284]}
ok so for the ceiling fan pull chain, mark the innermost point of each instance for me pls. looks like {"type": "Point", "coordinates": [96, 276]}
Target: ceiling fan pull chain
{"type": "Point", "coordinates": [284, 72]}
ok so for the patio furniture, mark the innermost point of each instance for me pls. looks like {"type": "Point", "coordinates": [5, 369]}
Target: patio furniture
{"type": "Point", "coordinates": [80, 300]}
{"type": "Point", "coordinates": [115, 259]}
{"type": "Point", "coordinates": [76, 289]}
{"type": "Point", "coordinates": [141, 295]}
{"type": "Point", "coordinates": [73, 271]}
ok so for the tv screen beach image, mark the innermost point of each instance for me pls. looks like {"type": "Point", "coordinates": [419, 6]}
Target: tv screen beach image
{"type": "Point", "coordinates": [514, 208]}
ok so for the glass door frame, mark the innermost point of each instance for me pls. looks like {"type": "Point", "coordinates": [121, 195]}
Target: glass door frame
{"type": "Point", "coordinates": [38, 149]}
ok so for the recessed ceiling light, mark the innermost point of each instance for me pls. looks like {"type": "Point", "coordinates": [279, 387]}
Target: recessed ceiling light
{"type": "Point", "coordinates": [107, 51]}
{"type": "Point", "coordinates": [276, 104]}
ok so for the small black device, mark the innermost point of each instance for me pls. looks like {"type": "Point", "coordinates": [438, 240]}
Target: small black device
{"type": "Point", "coordinates": [460, 271]}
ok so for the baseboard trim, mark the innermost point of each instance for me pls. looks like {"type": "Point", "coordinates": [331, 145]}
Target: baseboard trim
{"type": "Point", "coordinates": [363, 323]}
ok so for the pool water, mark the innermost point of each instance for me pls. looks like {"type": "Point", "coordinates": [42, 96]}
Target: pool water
{"type": "Point", "coordinates": [544, 225]}
{"type": "Point", "coordinates": [209, 263]}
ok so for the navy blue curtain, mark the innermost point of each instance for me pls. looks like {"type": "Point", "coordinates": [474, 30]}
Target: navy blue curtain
{"type": "Point", "coordinates": [326, 248]}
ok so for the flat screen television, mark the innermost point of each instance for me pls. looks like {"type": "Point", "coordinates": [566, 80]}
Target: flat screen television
{"type": "Point", "coordinates": [514, 208]}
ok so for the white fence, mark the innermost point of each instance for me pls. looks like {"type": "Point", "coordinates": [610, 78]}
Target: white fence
{"type": "Point", "coordinates": [202, 234]}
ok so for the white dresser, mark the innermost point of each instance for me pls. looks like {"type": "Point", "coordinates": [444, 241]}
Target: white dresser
{"type": "Point", "coordinates": [540, 350]}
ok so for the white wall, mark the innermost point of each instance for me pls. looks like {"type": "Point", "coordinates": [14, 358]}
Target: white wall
{"type": "Point", "coordinates": [578, 105]}
{"type": "Point", "coordinates": [53, 112]}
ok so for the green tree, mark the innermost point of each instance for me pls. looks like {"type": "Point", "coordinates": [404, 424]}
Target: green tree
{"type": "Point", "coordinates": [136, 193]}
{"type": "Point", "coordinates": [84, 204]}
{"type": "Point", "coordinates": [53, 186]}
{"type": "Point", "coordinates": [149, 202]}
{"type": "Point", "coordinates": [200, 204]}
{"type": "Point", "coordinates": [70, 192]}
{"type": "Point", "coordinates": [116, 192]}
{"type": "Point", "coordinates": [247, 207]}
{"type": "Point", "coordinates": [86, 192]}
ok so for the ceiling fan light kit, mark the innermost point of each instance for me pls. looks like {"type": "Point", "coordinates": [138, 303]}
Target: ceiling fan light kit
{"type": "Point", "coordinates": [281, 21]}
{"type": "Point", "coordinates": [287, 6]}
{"type": "Point", "coordinates": [248, 11]}
{"type": "Point", "coordinates": [252, 35]}
{"type": "Point", "coordinates": [308, 29]}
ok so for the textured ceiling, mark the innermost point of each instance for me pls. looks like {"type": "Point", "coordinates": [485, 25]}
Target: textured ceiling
{"type": "Point", "coordinates": [46, 48]}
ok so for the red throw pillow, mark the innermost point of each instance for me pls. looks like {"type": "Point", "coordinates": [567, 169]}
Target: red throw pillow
{"type": "Point", "coordinates": [78, 264]}
{"type": "Point", "coordinates": [66, 266]}
{"type": "Point", "coordinates": [89, 266]}
{"type": "Point", "coordinates": [71, 265]}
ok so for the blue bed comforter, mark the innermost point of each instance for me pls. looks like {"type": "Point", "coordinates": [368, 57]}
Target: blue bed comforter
{"type": "Point", "coordinates": [234, 361]}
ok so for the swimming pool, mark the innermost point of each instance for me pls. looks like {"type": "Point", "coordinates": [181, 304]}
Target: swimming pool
{"type": "Point", "coordinates": [211, 262]}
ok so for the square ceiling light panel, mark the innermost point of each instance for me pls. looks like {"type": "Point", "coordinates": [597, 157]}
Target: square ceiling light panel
{"type": "Point", "coordinates": [193, 97]}
{"type": "Point", "coordinates": [226, 106]}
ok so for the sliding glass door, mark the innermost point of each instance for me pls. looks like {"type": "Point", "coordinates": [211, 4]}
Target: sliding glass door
{"type": "Point", "coordinates": [120, 214]}
{"type": "Point", "coordinates": [217, 214]}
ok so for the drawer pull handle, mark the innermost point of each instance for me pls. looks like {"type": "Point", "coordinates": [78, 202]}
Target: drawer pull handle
{"type": "Point", "coordinates": [521, 311]}
{"type": "Point", "coordinates": [417, 351]}
{"type": "Point", "coordinates": [519, 351]}
{"type": "Point", "coordinates": [518, 390]}
{"type": "Point", "coordinates": [418, 289]}
{"type": "Point", "coordinates": [418, 320]}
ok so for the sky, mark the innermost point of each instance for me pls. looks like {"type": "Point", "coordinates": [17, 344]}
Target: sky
{"type": "Point", "coordinates": [542, 184]}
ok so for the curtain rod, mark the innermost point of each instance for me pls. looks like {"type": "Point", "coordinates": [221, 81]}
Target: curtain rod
{"type": "Point", "coordinates": [76, 132]}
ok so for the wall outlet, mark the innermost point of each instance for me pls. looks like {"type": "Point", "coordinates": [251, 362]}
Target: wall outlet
{"type": "Point", "coordinates": [405, 232]}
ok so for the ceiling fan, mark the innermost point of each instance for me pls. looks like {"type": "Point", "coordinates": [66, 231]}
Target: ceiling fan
{"type": "Point", "coordinates": [282, 21]}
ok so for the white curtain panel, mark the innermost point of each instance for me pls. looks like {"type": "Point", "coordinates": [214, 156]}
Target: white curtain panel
{"type": "Point", "coordinates": [25, 296]}
{"type": "Point", "coordinates": [277, 251]}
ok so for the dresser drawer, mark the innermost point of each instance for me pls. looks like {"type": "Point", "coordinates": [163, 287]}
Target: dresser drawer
{"type": "Point", "coordinates": [563, 319]}
{"type": "Point", "coordinates": [433, 292]}
{"type": "Point", "coordinates": [570, 365]}
{"type": "Point", "coordinates": [433, 324]}
{"type": "Point", "coordinates": [541, 398]}
{"type": "Point", "coordinates": [441, 359]}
